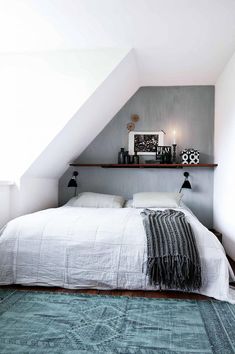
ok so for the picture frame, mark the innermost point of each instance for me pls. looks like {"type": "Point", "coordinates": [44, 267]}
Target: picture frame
{"type": "Point", "coordinates": [163, 154]}
{"type": "Point", "coordinates": [144, 143]}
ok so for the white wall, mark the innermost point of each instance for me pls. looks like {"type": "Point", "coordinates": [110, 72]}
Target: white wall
{"type": "Point", "coordinates": [5, 192]}
{"type": "Point", "coordinates": [33, 194]}
{"type": "Point", "coordinates": [224, 179]}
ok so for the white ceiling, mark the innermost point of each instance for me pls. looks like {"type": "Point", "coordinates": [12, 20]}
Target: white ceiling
{"type": "Point", "coordinates": [177, 42]}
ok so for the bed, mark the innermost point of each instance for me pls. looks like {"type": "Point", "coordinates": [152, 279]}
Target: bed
{"type": "Point", "coordinates": [97, 248]}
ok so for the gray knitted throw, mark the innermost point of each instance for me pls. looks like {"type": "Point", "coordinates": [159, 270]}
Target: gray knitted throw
{"type": "Point", "coordinates": [173, 260]}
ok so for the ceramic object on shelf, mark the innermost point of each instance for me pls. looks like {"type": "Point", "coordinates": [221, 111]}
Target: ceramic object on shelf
{"type": "Point", "coordinates": [127, 158]}
{"type": "Point", "coordinates": [131, 158]}
{"type": "Point", "coordinates": [121, 156]}
{"type": "Point", "coordinates": [136, 158]}
{"type": "Point", "coordinates": [190, 156]}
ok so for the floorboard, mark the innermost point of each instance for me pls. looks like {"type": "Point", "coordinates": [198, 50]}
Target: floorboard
{"type": "Point", "coordinates": [131, 293]}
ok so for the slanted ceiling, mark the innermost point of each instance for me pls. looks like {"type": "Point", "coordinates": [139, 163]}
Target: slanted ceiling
{"type": "Point", "coordinates": [89, 120]}
{"type": "Point", "coordinates": [54, 104]}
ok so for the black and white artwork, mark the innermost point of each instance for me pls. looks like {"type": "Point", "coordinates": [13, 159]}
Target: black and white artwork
{"type": "Point", "coordinates": [145, 143]}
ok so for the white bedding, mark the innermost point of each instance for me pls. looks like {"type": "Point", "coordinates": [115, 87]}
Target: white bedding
{"type": "Point", "coordinates": [96, 248]}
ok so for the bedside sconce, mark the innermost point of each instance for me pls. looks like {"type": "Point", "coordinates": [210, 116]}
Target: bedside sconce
{"type": "Point", "coordinates": [73, 182]}
{"type": "Point", "coordinates": [186, 184]}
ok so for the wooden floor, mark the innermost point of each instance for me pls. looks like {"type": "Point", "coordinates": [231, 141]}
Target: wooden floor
{"type": "Point", "coordinates": [131, 293]}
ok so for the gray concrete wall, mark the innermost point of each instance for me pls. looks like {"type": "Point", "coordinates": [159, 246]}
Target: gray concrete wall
{"type": "Point", "coordinates": [188, 110]}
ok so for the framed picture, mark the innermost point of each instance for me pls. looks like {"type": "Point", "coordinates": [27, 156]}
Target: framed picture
{"type": "Point", "coordinates": [145, 143]}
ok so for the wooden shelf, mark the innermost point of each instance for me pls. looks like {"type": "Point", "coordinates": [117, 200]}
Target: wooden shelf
{"type": "Point", "coordinates": [143, 165]}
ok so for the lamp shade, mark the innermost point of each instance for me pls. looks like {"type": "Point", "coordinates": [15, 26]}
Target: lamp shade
{"type": "Point", "coordinates": [186, 185]}
{"type": "Point", "coordinates": [73, 180]}
{"type": "Point", "coordinates": [72, 183]}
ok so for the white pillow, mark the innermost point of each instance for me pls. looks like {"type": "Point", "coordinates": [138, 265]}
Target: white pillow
{"type": "Point", "coordinates": [156, 200]}
{"type": "Point", "coordinates": [96, 200]}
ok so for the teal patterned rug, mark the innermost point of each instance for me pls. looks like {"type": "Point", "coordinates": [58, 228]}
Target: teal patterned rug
{"type": "Point", "coordinates": [45, 322]}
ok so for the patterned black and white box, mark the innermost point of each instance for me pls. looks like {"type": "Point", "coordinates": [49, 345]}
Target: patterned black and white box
{"type": "Point", "coordinates": [190, 156]}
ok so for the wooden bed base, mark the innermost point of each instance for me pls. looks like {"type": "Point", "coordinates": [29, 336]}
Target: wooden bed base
{"type": "Point", "coordinates": [131, 293]}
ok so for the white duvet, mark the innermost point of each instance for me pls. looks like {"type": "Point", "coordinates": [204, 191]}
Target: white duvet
{"type": "Point", "coordinates": [101, 248]}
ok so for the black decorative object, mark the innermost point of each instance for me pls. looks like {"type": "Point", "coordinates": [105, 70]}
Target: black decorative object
{"type": "Point", "coordinates": [174, 160]}
{"type": "Point", "coordinates": [121, 156]}
{"type": "Point", "coordinates": [163, 154]}
{"type": "Point", "coordinates": [151, 162]}
{"type": "Point", "coordinates": [127, 158]}
{"type": "Point", "coordinates": [136, 159]}
{"type": "Point", "coordinates": [73, 182]}
{"type": "Point", "coordinates": [190, 156]}
{"type": "Point", "coordinates": [131, 157]}
{"type": "Point", "coordinates": [186, 184]}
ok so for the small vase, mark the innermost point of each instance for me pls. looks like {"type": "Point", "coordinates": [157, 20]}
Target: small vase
{"type": "Point", "coordinates": [121, 156]}
{"type": "Point", "coordinates": [136, 159]}
{"type": "Point", "coordinates": [131, 157]}
{"type": "Point", "coordinates": [127, 158]}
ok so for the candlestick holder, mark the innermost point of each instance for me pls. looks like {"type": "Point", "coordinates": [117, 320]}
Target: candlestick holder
{"type": "Point", "coordinates": [174, 153]}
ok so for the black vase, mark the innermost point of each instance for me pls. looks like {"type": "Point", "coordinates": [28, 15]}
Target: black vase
{"type": "Point", "coordinates": [121, 156]}
{"type": "Point", "coordinates": [127, 158]}
{"type": "Point", "coordinates": [131, 157]}
{"type": "Point", "coordinates": [136, 159]}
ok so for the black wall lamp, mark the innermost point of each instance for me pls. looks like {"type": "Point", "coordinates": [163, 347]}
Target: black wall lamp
{"type": "Point", "coordinates": [73, 182]}
{"type": "Point", "coordinates": [186, 184]}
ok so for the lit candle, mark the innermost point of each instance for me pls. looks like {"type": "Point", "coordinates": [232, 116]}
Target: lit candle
{"type": "Point", "coordinates": [174, 137]}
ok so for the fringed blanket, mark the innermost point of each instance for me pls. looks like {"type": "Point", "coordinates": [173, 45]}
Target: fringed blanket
{"type": "Point", "coordinates": [173, 260]}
